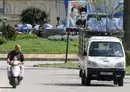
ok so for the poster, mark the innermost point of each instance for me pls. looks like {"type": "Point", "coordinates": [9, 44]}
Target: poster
{"type": "Point", "coordinates": [73, 12]}
{"type": "Point", "coordinates": [101, 15]}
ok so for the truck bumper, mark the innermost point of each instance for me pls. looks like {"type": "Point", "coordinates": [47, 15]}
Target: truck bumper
{"type": "Point", "coordinates": [105, 74]}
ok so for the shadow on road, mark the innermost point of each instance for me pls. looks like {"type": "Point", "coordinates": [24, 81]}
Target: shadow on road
{"type": "Point", "coordinates": [77, 85]}
{"type": "Point", "coordinates": [63, 84]}
{"type": "Point", "coordinates": [76, 75]}
{"type": "Point", "coordinates": [6, 88]}
{"type": "Point", "coordinates": [80, 85]}
{"type": "Point", "coordinates": [102, 85]}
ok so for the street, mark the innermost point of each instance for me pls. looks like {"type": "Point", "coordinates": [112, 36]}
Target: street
{"type": "Point", "coordinates": [58, 80]}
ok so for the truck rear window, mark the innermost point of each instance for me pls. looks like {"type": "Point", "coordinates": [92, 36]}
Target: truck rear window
{"type": "Point", "coordinates": [111, 49]}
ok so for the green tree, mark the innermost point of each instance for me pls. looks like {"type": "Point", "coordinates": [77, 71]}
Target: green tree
{"type": "Point", "coordinates": [33, 16]}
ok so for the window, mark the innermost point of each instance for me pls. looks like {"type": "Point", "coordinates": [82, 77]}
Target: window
{"type": "Point", "coordinates": [111, 49]}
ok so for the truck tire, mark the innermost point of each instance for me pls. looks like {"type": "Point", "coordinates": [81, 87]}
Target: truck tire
{"type": "Point", "coordinates": [83, 79]}
{"type": "Point", "coordinates": [121, 82]}
{"type": "Point", "coordinates": [80, 73]}
{"type": "Point", "coordinates": [87, 81]}
{"type": "Point", "coordinates": [115, 82]}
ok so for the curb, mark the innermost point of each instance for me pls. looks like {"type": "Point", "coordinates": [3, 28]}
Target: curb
{"type": "Point", "coordinates": [47, 59]}
{"type": "Point", "coordinates": [51, 59]}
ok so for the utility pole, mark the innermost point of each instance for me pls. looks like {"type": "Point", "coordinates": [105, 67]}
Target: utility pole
{"type": "Point", "coordinates": [3, 7]}
{"type": "Point", "coordinates": [67, 47]}
{"type": "Point", "coordinates": [127, 24]}
{"type": "Point", "coordinates": [68, 30]}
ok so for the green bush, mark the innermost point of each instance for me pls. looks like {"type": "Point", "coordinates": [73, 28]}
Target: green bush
{"type": "Point", "coordinates": [62, 38]}
{"type": "Point", "coordinates": [55, 37]}
{"type": "Point", "coordinates": [2, 40]}
{"type": "Point", "coordinates": [26, 36]}
{"type": "Point", "coordinates": [9, 32]}
{"type": "Point", "coordinates": [127, 58]}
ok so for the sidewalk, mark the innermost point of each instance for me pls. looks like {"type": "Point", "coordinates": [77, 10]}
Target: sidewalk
{"type": "Point", "coordinates": [45, 57]}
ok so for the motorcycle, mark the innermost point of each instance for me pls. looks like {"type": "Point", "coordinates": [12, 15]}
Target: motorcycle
{"type": "Point", "coordinates": [15, 72]}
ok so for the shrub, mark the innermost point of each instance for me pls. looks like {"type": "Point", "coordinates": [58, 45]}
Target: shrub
{"type": "Point", "coordinates": [127, 58]}
{"type": "Point", "coordinates": [62, 38]}
{"type": "Point", "coordinates": [8, 32]}
{"type": "Point", "coordinates": [2, 40]}
{"type": "Point", "coordinates": [45, 33]}
{"type": "Point", "coordinates": [72, 38]}
{"type": "Point", "coordinates": [56, 37]}
{"type": "Point", "coordinates": [26, 36]}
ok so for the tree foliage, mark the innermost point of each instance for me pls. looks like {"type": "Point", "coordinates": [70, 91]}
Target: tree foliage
{"type": "Point", "coordinates": [33, 16]}
{"type": "Point", "coordinates": [8, 32]}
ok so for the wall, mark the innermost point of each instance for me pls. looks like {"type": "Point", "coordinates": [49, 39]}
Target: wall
{"type": "Point", "coordinates": [13, 8]}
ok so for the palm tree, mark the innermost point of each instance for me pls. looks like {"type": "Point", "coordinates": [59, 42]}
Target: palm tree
{"type": "Point", "coordinates": [33, 16]}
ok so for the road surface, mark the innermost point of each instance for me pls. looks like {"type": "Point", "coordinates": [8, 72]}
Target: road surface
{"type": "Point", "coordinates": [58, 80]}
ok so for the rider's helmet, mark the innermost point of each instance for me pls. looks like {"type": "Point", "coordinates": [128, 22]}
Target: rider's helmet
{"type": "Point", "coordinates": [17, 48]}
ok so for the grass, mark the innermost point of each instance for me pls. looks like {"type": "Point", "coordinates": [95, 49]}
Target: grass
{"type": "Point", "coordinates": [128, 70]}
{"type": "Point", "coordinates": [40, 46]}
{"type": "Point", "coordinates": [69, 65]}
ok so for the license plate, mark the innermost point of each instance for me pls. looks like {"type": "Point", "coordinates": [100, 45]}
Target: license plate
{"type": "Point", "coordinates": [106, 73]}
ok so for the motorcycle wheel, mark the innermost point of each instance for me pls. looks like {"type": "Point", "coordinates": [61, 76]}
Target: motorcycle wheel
{"type": "Point", "coordinates": [14, 82]}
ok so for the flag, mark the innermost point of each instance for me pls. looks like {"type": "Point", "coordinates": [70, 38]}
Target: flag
{"type": "Point", "coordinates": [66, 6]}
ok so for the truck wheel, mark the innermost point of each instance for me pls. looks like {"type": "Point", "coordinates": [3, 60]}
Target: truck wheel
{"type": "Point", "coordinates": [80, 73]}
{"type": "Point", "coordinates": [87, 81]}
{"type": "Point", "coordinates": [115, 82]}
{"type": "Point", "coordinates": [121, 82]}
{"type": "Point", "coordinates": [83, 79]}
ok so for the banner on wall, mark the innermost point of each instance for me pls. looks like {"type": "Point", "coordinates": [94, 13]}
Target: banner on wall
{"type": "Point", "coordinates": [101, 15]}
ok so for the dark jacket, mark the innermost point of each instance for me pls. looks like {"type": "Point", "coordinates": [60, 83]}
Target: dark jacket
{"type": "Point", "coordinates": [81, 22]}
{"type": "Point", "coordinates": [13, 53]}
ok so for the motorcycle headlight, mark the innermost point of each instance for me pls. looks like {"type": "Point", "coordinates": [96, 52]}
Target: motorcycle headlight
{"type": "Point", "coordinates": [119, 65]}
{"type": "Point", "coordinates": [92, 64]}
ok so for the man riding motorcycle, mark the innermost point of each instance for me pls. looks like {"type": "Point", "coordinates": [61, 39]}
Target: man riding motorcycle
{"type": "Point", "coordinates": [20, 57]}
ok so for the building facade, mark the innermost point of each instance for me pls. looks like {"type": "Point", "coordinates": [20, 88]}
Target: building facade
{"type": "Point", "coordinates": [11, 9]}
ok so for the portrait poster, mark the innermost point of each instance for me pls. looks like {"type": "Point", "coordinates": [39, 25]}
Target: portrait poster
{"type": "Point", "coordinates": [73, 12]}
{"type": "Point", "coordinates": [102, 15]}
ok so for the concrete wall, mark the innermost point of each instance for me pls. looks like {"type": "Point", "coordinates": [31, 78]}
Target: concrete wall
{"type": "Point", "coordinates": [13, 9]}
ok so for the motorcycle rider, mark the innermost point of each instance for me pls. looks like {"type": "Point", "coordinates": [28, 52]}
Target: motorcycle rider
{"type": "Point", "coordinates": [20, 57]}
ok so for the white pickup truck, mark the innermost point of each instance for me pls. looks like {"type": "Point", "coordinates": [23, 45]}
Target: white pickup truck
{"type": "Point", "coordinates": [101, 57]}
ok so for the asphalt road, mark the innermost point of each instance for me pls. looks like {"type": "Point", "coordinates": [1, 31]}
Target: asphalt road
{"type": "Point", "coordinates": [58, 80]}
